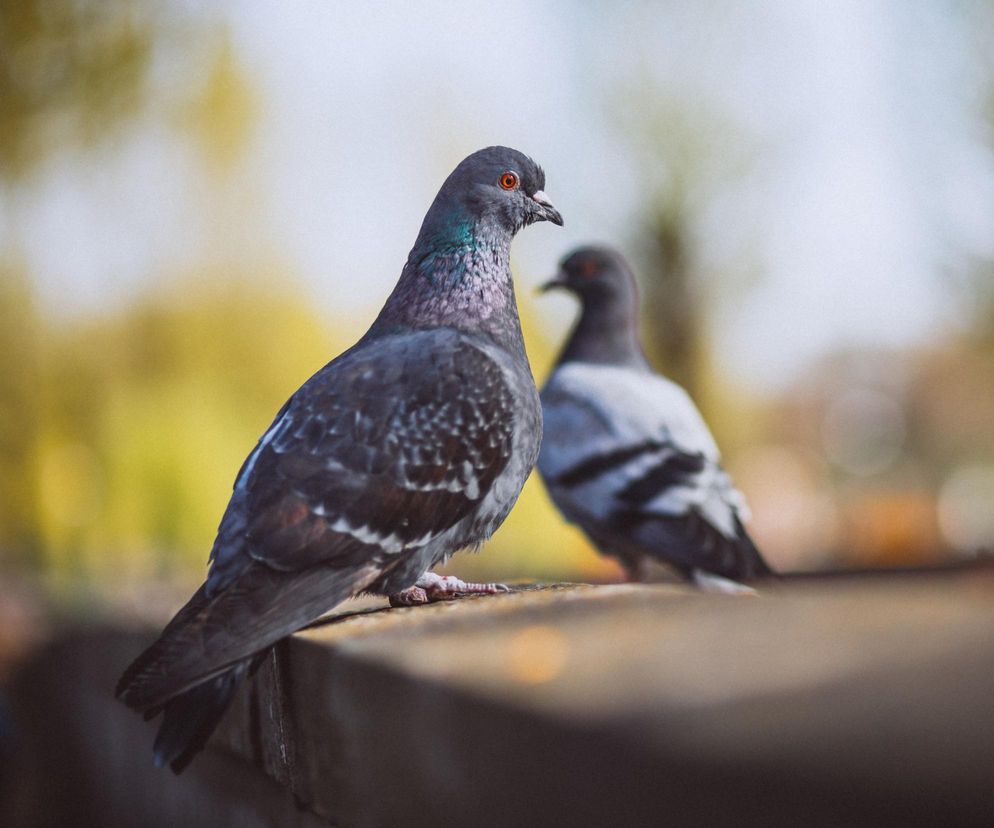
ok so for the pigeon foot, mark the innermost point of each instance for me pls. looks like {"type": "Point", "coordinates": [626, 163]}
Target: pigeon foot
{"type": "Point", "coordinates": [431, 587]}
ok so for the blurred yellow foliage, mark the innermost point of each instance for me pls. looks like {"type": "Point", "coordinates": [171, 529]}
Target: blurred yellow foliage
{"type": "Point", "coordinates": [220, 116]}
{"type": "Point", "coordinates": [142, 418]}
{"type": "Point", "coordinates": [133, 425]}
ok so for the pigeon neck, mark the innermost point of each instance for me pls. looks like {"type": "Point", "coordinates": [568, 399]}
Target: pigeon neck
{"type": "Point", "coordinates": [605, 334]}
{"type": "Point", "coordinates": [457, 275]}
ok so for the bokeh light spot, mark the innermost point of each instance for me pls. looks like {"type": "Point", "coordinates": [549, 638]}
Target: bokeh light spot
{"type": "Point", "coordinates": [536, 655]}
{"type": "Point", "coordinates": [863, 431]}
{"type": "Point", "coordinates": [966, 516]}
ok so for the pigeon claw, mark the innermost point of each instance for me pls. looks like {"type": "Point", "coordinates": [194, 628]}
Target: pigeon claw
{"type": "Point", "coordinates": [410, 597]}
{"type": "Point", "coordinates": [431, 587]}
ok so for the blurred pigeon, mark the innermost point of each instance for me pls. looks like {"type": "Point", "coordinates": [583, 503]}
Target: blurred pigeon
{"type": "Point", "coordinates": [409, 446]}
{"type": "Point", "coordinates": [625, 454]}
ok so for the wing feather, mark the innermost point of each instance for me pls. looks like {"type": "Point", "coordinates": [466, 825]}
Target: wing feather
{"type": "Point", "coordinates": [389, 446]}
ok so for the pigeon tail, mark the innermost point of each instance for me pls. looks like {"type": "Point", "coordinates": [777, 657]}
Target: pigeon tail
{"type": "Point", "coordinates": [134, 687]}
{"type": "Point", "coordinates": [689, 543]}
{"type": "Point", "coordinates": [191, 717]}
{"type": "Point", "coordinates": [752, 563]}
{"type": "Point", "coordinates": [213, 635]}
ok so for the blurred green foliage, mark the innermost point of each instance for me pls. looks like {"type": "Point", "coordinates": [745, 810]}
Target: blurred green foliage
{"type": "Point", "coordinates": [71, 72]}
{"type": "Point", "coordinates": [20, 412]}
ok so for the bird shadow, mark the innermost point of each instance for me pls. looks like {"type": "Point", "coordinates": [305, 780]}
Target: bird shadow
{"type": "Point", "coordinates": [330, 620]}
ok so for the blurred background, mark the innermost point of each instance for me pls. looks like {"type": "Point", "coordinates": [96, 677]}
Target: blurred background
{"type": "Point", "coordinates": [201, 204]}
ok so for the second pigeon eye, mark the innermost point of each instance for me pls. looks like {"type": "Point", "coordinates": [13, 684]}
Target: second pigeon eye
{"type": "Point", "coordinates": [508, 181]}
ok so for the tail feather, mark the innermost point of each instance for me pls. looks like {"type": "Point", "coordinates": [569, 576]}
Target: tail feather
{"type": "Point", "coordinates": [689, 542]}
{"type": "Point", "coordinates": [752, 563]}
{"type": "Point", "coordinates": [190, 718]}
{"type": "Point", "coordinates": [192, 671]}
{"type": "Point", "coordinates": [213, 634]}
{"type": "Point", "coordinates": [154, 660]}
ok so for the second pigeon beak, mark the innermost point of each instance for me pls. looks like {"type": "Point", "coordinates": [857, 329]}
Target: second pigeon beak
{"type": "Point", "coordinates": [557, 281]}
{"type": "Point", "coordinates": [547, 212]}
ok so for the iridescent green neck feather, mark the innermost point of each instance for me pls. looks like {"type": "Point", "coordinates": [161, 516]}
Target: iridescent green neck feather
{"type": "Point", "coordinates": [457, 275]}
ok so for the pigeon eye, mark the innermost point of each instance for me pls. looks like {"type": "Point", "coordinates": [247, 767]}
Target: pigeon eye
{"type": "Point", "coordinates": [508, 180]}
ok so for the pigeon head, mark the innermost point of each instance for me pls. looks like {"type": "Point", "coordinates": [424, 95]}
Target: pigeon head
{"type": "Point", "coordinates": [458, 274]}
{"type": "Point", "coordinates": [597, 275]}
{"type": "Point", "coordinates": [607, 330]}
{"type": "Point", "coordinates": [494, 190]}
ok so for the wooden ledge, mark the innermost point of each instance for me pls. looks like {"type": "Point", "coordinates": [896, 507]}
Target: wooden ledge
{"type": "Point", "coordinates": [859, 701]}
{"type": "Point", "coordinates": [570, 703]}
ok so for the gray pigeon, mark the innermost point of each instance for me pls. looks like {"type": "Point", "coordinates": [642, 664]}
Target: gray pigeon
{"type": "Point", "coordinates": [625, 454]}
{"type": "Point", "coordinates": [411, 445]}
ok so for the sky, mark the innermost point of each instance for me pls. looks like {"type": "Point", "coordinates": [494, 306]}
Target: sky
{"type": "Point", "coordinates": [864, 189]}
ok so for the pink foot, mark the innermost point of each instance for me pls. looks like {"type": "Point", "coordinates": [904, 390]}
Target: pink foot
{"type": "Point", "coordinates": [431, 587]}
{"type": "Point", "coordinates": [409, 597]}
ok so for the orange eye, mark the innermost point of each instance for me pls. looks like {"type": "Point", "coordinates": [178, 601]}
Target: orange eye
{"type": "Point", "coordinates": [508, 180]}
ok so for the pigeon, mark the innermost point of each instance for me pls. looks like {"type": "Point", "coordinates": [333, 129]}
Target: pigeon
{"type": "Point", "coordinates": [409, 446]}
{"type": "Point", "coordinates": [625, 453]}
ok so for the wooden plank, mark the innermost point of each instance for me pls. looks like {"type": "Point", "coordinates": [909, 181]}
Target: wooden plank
{"type": "Point", "coordinates": [850, 701]}
{"type": "Point", "coordinates": [860, 701]}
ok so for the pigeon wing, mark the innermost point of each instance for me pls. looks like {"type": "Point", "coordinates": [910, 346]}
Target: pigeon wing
{"type": "Point", "coordinates": [624, 449]}
{"type": "Point", "coordinates": [383, 450]}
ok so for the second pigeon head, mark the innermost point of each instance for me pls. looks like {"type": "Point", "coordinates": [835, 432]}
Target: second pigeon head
{"type": "Point", "coordinates": [597, 275]}
{"type": "Point", "coordinates": [606, 331]}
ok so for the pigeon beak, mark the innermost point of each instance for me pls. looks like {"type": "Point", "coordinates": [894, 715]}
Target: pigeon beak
{"type": "Point", "coordinates": [556, 282]}
{"type": "Point", "coordinates": [545, 211]}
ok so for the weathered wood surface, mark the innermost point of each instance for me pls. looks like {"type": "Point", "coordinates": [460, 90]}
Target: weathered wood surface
{"type": "Point", "coordinates": [852, 702]}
